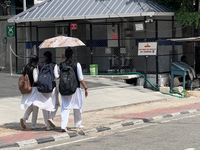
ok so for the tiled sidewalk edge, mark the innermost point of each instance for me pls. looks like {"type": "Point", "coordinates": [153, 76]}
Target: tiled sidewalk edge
{"type": "Point", "coordinates": [62, 136]}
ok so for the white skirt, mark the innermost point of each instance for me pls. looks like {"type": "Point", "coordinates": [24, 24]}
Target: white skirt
{"type": "Point", "coordinates": [47, 101]}
{"type": "Point", "coordinates": [28, 99]}
{"type": "Point", "coordinates": [74, 101]}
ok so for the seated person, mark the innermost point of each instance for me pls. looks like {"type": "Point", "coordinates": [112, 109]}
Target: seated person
{"type": "Point", "coordinates": [184, 59]}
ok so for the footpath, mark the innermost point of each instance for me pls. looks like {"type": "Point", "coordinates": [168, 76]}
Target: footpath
{"type": "Point", "coordinates": [110, 105]}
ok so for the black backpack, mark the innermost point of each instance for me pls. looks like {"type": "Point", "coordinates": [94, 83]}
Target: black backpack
{"type": "Point", "coordinates": [45, 79]}
{"type": "Point", "coordinates": [68, 80]}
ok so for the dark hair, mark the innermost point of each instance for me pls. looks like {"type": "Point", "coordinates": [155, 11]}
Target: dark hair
{"type": "Point", "coordinates": [69, 53]}
{"type": "Point", "coordinates": [48, 54]}
{"type": "Point", "coordinates": [33, 60]}
{"type": "Point", "coordinates": [183, 57]}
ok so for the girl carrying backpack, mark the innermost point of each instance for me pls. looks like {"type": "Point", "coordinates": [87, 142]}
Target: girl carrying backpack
{"type": "Point", "coordinates": [47, 100]}
{"type": "Point", "coordinates": [27, 99]}
{"type": "Point", "coordinates": [75, 100]}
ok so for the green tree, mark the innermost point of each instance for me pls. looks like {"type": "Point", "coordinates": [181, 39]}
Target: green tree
{"type": "Point", "coordinates": [186, 11]}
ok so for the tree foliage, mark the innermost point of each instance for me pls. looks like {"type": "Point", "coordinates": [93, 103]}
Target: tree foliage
{"type": "Point", "coordinates": [185, 11]}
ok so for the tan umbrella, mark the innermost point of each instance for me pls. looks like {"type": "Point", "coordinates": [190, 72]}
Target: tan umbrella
{"type": "Point", "coordinates": [61, 41]}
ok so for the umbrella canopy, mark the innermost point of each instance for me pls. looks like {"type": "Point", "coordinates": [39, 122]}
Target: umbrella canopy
{"type": "Point", "coordinates": [61, 41]}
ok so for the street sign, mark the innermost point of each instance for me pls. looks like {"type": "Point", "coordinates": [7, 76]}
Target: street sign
{"type": "Point", "coordinates": [10, 30]}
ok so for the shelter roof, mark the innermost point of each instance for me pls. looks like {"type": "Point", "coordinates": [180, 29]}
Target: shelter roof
{"type": "Point", "coordinates": [190, 39]}
{"type": "Point", "coordinates": [52, 10]}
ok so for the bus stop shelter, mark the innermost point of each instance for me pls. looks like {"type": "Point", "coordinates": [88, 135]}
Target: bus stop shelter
{"type": "Point", "coordinates": [176, 68]}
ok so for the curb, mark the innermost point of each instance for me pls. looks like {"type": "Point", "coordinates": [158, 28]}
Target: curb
{"type": "Point", "coordinates": [62, 136]}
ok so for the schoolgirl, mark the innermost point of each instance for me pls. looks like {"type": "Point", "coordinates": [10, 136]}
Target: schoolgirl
{"type": "Point", "coordinates": [48, 102]}
{"type": "Point", "coordinates": [28, 99]}
{"type": "Point", "coordinates": [74, 101]}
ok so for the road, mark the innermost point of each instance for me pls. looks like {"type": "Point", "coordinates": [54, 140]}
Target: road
{"type": "Point", "coordinates": [180, 133]}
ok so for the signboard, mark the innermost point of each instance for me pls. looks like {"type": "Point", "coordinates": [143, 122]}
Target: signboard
{"type": "Point", "coordinates": [139, 27]}
{"type": "Point", "coordinates": [73, 26]}
{"type": "Point", "coordinates": [10, 30]}
{"type": "Point", "coordinates": [115, 36]}
{"type": "Point", "coordinates": [147, 48]}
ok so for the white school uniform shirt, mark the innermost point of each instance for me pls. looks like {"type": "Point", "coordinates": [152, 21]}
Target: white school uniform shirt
{"type": "Point", "coordinates": [48, 101]}
{"type": "Point", "coordinates": [74, 101]}
{"type": "Point", "coordinates": [28, 99]}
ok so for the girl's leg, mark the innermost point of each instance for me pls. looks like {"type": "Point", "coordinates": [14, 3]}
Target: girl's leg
{"type": "Point", "coordinates": [77, 117]}
{"type": "Point", "coordinates": [26, 116]}
{"type": "Point", "coordinates": [52, 114]}
{"type": "Point", "coordinates": [64, 118]}
{"type": "Point", "coordinates": [46, 117]}
{"type": "Point", "coordinates": [34, 116]}
{"type": "Point", "coordinates": [28, 112]}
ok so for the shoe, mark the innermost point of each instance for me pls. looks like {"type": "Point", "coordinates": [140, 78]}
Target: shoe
{"type": "Point", "coordinates": [50, 121]}
{"type": "Point", "coordinates": [79, 127]}
{"type": "Point", "coordinates": [22, 121]}
{"type": "Point", "coordinates": [35, 127]}
{"type": "Point", "coordinates": [64, 130]}
{"type": "Point", "coordinates": [49, 128]}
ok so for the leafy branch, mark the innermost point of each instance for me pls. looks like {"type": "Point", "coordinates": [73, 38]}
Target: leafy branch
{"type": "Point", "coordinates": [185, 12]}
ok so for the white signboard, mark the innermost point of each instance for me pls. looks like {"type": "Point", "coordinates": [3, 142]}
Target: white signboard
{"type": "Point", "coordinates": [147, 48]}
{"type": "Point", "coordinates": [38, 1]}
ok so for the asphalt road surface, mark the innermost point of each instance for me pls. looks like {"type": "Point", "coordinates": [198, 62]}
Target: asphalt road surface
{"type": "Point", "coordinates": [181, 133]}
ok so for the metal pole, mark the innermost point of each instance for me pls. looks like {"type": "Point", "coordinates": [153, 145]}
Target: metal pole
{"type": "Point", "coordinates": [24, 5]}
{"type": "Point", "coordinates": [157, 54]}
{"type": "Point", "coordinates": [173, 43]}
{"type": "Point", "coordinates": [31, 44]}
{"type": "Point", "coordinates": [11, 62]}
{"type": "Point", "coordinates": [16, 46]}
{"type": "Point", "coordinates": [24, 8]}
{"type": "Point", "coordinates": [145, 35]}
{"type": "Point", "coordinates": [145, 81]}
{"type": "Point", "coordinates": [37, 44]}
{"type": "Point", "coordinates": [119, 57]}
{"type": "Point", "coordinates": [91, 49]}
